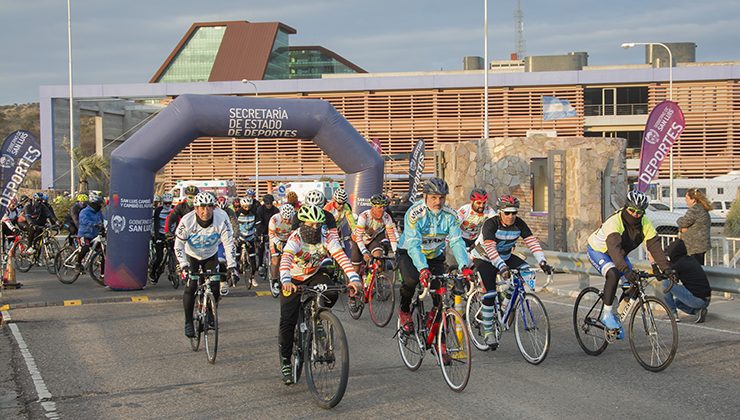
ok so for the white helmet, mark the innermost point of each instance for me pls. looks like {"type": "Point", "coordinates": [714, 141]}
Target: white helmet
{"type": "Point", "coordinates": [287, 212]}
{"type": "Point", "coordinates": [340, 196]}
{"type": "Point", "coordinates": [167, 198]}
{"type": "Point", "coordinates": [315, 198]}
{"type": "Point", "coordinates": [204, 199]}
{"type": "Point", "coordinates": [246, 202]}
{"type": "Point", "coordinates": [637, 200]}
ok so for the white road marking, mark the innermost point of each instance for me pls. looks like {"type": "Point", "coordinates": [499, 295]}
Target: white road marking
{"type": "Point", "coordinates": [50, 407]}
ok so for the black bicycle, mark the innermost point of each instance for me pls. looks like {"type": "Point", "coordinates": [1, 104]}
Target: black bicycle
{"type": "Point", "coordinates": [43, 251]}
{"type": "Point", "coordinates": [653, 341]}
{"type": "Point", "coordinates": [169, 262]}
{"type": "Point", "coordinates": [320, 346]}
{"type": "Point", "coordinates": [247, 261]}
{"type": "Point", "coordinates": [205, 313]}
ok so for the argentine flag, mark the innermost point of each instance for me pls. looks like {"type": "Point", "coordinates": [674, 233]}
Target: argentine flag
{"type": "Point", "coordinates": [555, 109]}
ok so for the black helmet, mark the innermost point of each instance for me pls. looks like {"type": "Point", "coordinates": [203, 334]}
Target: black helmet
{"type": "Point", "coordinates": [96, 199]}
{"type": "Point", "coordinates": [268, 199]}
{"type": "Point", "coordinates": [191, 190]}
{"type": "Point", "coordinates": [436, 185]}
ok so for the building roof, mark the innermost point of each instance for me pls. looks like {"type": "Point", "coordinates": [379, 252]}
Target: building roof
{"type": "Point", "coordinates": [243, 53]}
{"type": "Point", "coordinates": [329, 53]}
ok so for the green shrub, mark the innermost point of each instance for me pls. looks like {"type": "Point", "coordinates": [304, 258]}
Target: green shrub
{"type": "Point", "coordinates": [61, 206]}
{"type": "Point", "coordinates": [732, 225]}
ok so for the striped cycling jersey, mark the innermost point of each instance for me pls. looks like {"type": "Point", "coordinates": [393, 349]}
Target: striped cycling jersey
{"type": "Point", "coordinates": [368, 228]}
{"type": "Point", "coordinates": [247, 221]}
{"type": "Point", "coordinates": [202, 243]}
{"type": "Point", "coordinates": [496, 241]}
{"type": "Point", "coordinates": [278, 230]}
{"type": "Point", "coordinates": [471, 221]}
{"type": "Point", "coordinates": [302, 260]}
{"type": "Point", "coordinates": [164, 212]}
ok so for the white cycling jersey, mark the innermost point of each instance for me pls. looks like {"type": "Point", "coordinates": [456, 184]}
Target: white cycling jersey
{"type": "Point", "coordinates": [471, 221]}
{"type": "Point", "coordinates": [279, 230]}
{"type": "Point", "coordinates": [202, 242]}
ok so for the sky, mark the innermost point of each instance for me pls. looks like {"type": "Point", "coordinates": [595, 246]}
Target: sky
{"type": "Point", "coordinates": [127, 41]}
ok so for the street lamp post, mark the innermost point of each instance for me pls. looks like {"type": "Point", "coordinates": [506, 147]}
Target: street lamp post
{"type": "Point", "coordinates": [485, 71]}
{"type": "Point", "coordinates": [71, 104]}
{"type": "Point", "coordinates": [256, 147]}
{"type": "Point", "coordinates": [670, 98]}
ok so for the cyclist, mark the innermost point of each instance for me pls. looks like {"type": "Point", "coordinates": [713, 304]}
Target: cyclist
{"type": "Point", "coordinates": [301, 263]}
{"type": "Point", "coordinates": [341, 210]}
{"type": "Point", "coordinates": [247, 219]}
{"type": "Point", "coordinates": [374, 228]}
{"type": "Point", "coordinates": [74, 213]}
{"type": "Point", "coordinates": [253, 195]}
{"type": "Point", "coordinates": [609, 245]}
{"type": "Point", "coordinates": [428, 225]}
{"type": "Point", "coordinates": [91, 223]}
{"type": "Point", "coordinates": [10, 223]}
{"type": "Point", "coordinates": [280, 227]}
{"type": "Point", "coordinates": [45, 201]}
{"type": "Point", "coordinates": [492, 255]}
{"type": "Point", "coordinates": [196, 246]}
{"type": "Point", "coordinates": [316, 198]}
{"type": "Point", "coordinates": [159, 235]}
{"type": "Point", "coordinates": [473, 215]}
{"type": "Point", "coordinates": [264, 214]}
{"type": "Point", "coordinates": [292, 199]}
{"type": "Point", "coordinates": [180, 210]}
{"type": "Point", "coordinates": [37, 215]}
{"type": "Point", "coordinates": [156, 201]}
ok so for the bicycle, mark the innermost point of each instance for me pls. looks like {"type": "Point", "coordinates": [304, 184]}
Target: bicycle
{"type": "Point", "coordinates": [524, 310]}
{"type": "Point", "coordinates": [247, 261]}
{"type": "Point", "coordinates": [45, 249]}
{"type": "Point", "coordinates": [205, 313]}
{"type": "Point", "coordinates": [378, 294]}
{"type": "Point", "coordinates": [93, 263]}
{"type": "Point", "coordinates": [169, 262]}
{"type": "Point", "coordinates": [452, 347]}
{"type": "Point", "coordinates": [320, 346]}
{"type": "Point", "coordinates": [638, 311]}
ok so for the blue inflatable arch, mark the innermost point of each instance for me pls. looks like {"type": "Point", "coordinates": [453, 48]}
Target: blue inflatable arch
{"type": "Point", "coordinates": [135, 162]}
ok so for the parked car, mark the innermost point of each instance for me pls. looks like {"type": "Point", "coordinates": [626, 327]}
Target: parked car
{"type": "Point", "coordinates": [664, 220]}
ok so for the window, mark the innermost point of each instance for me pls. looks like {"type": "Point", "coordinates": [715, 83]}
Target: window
{"type": "Point", "coordinates": [194, 61]}
{"type": "Point", "coordinates": [720, 190]}
{"type": "Point", "coordinates": [682, 191]}
{"type": "Point", "coordinates": [538, 181]}
{"type": "Point", "coordinates": [717, 205]}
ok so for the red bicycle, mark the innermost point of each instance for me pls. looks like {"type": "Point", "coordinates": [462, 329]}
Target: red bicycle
{"type": "Point", "coordinates": [379, 293]}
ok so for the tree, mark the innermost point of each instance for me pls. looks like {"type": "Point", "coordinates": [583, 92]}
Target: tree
{"type": "Point", "coordinates": [89, 167]}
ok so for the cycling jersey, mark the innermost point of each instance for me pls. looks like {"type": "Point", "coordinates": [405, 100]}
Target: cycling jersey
{"type": "Point", "coordinates": [176, 215]}
{"type": "Point", "coordinates": [160, 220]}
{"type": "Point", "coordinates": [617, 238]}
{"type": "Point", "coordinates": [278, 232]}
{"type": "Point", "coordinates": [368, 228]}
{"type": "Point", "coordinates": [496, 241]}
{"type": "Point", "coordinates": [247, 220]}
{"type": "Point", "coordinates": [425, 234]}
{"type": "Point", "coordinates": [302, 260]}
{"type": "Point", "coordinates": [471, 221]}
{"type": "Point", "coordinates": [201, 243]}
{"type": "Point", "coordinates": [342, 214]}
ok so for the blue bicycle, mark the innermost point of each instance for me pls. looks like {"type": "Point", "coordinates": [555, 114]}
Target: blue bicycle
{"type": "Point", "coordinates": [524, 310]}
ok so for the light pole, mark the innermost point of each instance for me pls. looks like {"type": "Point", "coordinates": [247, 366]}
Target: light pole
{"type": "Point", "coordinates": [485, 72]}
{"type": "Point", "coordinates": [256, 148]}
{"type": "Point", "coordinates": [71, 104]}
{"type": "Point", "coordinates": [670, 98]}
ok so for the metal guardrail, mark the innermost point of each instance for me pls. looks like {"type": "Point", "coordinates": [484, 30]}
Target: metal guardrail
{"type": "Point", "coordinates": [720, 278]}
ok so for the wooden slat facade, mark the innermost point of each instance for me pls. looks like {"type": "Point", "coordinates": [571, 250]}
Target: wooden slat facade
{"type": "Point", "coordinates": [709, 146]}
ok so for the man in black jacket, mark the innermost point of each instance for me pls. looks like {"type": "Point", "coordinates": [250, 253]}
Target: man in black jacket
{"type": "Point", "coordinates": [264, 213]}
{"type": "Point", "coordinates": [693, 294]}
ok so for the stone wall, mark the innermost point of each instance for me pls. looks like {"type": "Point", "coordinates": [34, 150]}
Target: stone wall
{"type": "Point", "coordinates": [502, 166]}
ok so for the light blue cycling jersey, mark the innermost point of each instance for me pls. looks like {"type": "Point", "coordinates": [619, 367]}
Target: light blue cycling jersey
{"type": "Point", "coordinates": [425, 235]}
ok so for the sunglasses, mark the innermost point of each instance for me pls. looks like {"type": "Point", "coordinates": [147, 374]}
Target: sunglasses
{"type": "Point", "coordinates": [509, 213]}
{"type": "Point", "coordinates": [636, 211]}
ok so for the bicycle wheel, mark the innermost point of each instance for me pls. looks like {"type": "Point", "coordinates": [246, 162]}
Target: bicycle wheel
{"type": "Point", "coordinates": [412, 345]}
{"type": "Point", "coordinates": [453, 350]}
{"type": "Point", "coordinates": [65, 262]}
{"type": "Point", "coordinates": [96, 265]}
{"type": "Point", "coordinates": [532, 329]}
{"type": "Point", "coordinates": [589, 330]}
{"type": "Point", "coordinates": [266, 261]}
{"type": "Point", "coordinates": [474, 321]}
{"type": "Point", "coordinates": [21, 259]}
{"type": "Point", "coordinates": [327, 359]}
{"type": "Point", "coordinates": [653, 342]}
{"type": "Point", "coordinates": [211, 329]}
{"type": "Point", "coordinates": [197, 324]}
{"type": "Point", "coordinates": [172, 270]}
{"type": "Point", "coordinates": [298, 345]}
{"type": "Point", "coordinates": [49, 253]}
{"type": "Point", "coordinates": [246, 268]}
{"type": "Point", "coordinates": [382, 299]}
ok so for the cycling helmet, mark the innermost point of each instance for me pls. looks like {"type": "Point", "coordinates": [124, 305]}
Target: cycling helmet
{"type": "Point", "coordinates": [340, 196]}
{"type": "Point", "coordinates": [478, 194]}
{"type": "Point", "coordinates": [268, 199]}
{"type": "Point", "coordinates": [315, 198]}
{"type": "Point", "coordinates": [436, 185]}
{"type": "Point", "coordinates": [167, 198]}
{"type": "Point", "coordinates": [507, 203]}
{"type": "Point", "coordinates": [37, 196]}
{"type": "Point", "coordinates": [637, 200]}
{"type": "Point", "coordinates": [287, 212]}
{"type": "Point", "coordinates": [191, 190]}
{"type": "Point", "coordinates": [311, 214]}
{"type": "Point", "coordinates": [204, 199]}
{"type": "Point", "coordinates": [250, 193]}
{"type": "Point", "coordinates": [221, 202]}
{"type": "Point", "coordinates": [246, 202]}
{"type": "Point", "coordinates": [379, 200]}
{"type": "Point", "coordinates": [156, 198]}
{"type": "Point", "coordinates": [82, 197]}
{"type": "Point", "coordinates": [96, 199]}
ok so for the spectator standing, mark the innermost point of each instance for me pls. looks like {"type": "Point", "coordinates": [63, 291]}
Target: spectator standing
{"type": "Point", "coordinates": [695, 224]}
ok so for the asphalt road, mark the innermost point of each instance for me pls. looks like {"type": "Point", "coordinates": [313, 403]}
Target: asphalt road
{"type": "Point", "coordinates": [131, 360]}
